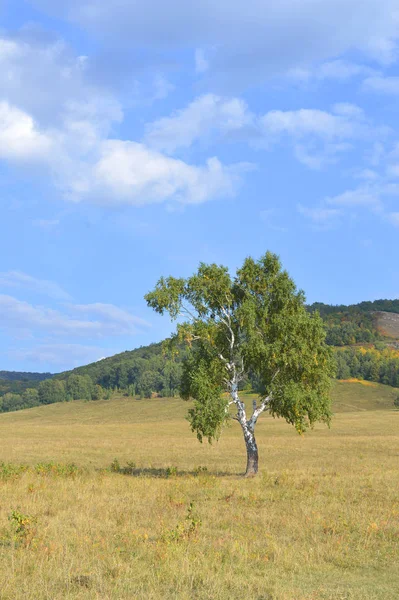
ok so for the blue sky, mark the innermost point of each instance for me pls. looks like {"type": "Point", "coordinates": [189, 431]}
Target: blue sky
{"type": "Point", "coordinates": [140, 138]}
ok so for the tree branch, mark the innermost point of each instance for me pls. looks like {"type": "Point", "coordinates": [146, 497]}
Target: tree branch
{"type": "Point", "coordinates": [258, 411]}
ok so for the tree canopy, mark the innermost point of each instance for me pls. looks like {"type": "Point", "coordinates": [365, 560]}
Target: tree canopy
{"type": "Point", "coordinates": [255, 322]}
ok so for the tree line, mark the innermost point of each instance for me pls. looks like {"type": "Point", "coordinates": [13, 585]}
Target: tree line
{"type": "Point", "coordinates": [377, 363]}
{"type": "Point", "coordinates": [148, 372]}
{"type": "Point", "coordinates": [49, 391]}
{"type": "Point", "coordinates": [354, 324]}
{"type": "Point", "coordinates": [141, 373]}
{"type": "Point", "coordinates": [156, 370]}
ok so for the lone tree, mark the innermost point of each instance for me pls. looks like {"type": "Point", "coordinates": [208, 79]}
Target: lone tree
{"type": "Point", "coordinates": [255, 323]}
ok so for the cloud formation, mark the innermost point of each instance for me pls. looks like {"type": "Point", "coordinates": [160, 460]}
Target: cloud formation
{"type": "Point", "coordinates": [27, 319]}
{"type": "Point", "coordinates": [382, 85]}
{"type": "Point", "coordinates": [318, 137]}
{"type": "Point", "coordinates": [67, 137]}
{"type": "Point", "coordinates": [59, 355]}
{"type": "Point", "coordinates": [302, 32]}
{"type": "Point", "coordinates": [17, 279]}
{"type": "Point", "coordinates": [206, 114]}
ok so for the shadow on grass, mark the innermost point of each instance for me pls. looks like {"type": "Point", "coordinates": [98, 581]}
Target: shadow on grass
{"type": "Point", "coordinates": [168, 472]}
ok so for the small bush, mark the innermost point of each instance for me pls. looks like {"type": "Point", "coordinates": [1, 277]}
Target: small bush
{"type": "Point", "coordinates": [200, 470]}
{"type": "Point", "coordinates": [10, 471]}
{"type": "Point", "coordinates": [171, 471]}
{"type": "Point", "coordinates": [57, 469]}
{"type": "Point", "coordinates": [115, 466]}
{"type": "Point", "coordinates": [23, 528]}
{"type": "Point", "coordinates": [185, 529]}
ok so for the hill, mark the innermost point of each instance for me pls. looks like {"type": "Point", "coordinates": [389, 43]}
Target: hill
{"type": "Point", "coordinates": [365, 335]}
{"type": "Point", "coordinates": [14, 385]}
{"type": "Point", "coordinates": [24, 376]}
{"type": "Point", "coordinates": [387, 324]}
{"type": "Point", "coordinates": [360, 323]}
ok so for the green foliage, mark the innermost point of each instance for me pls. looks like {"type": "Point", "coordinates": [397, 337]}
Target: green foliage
{"type": "Point", "coordinates": [185, 529]}
{"type": "Point", "coordinates": [98, 393]}
{"type": "Point", "coordinates": [47, 469]}
{"type": "Point", "coordinates": [362, 307]}
{"type": "Point", "coordinates": [171, 472]}
{"type": "Point", "coordinates": [23, 528]}
{"type": "Point", "coordinates": [115, 466]}
{"type": "Point", "coordinates": [79, 387]}
{"type": "Point", "coordinates": [347, 325]}
{"type": "Point", "coordinates": [24, 376]}
{"type": "Point", "coordinates": [10, 471]}
{"type": "Point", "coordinates": [52, 390]}
{"type": "Point", "coordinates": [154, 369]}
{"type": "Point", "coordinates": [375, 363]}
{"type": "Point", "coordinates": [256, 320]}
{"type": "Point", "coordinates": [283, 344]}
{"type": "Point", "coordinates": [203, 384]}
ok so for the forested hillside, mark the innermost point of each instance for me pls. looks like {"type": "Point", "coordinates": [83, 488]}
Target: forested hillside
{"type": "Point", "coordinates": [18, 388]}
{"type": "Point", "coordinates": [23, 376]}
{"type": "Point", "coordinates": [359, 323]}
{"type": "Point", "coordinates": [366, 337]}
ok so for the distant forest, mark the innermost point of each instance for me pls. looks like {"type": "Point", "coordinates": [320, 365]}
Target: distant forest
{"type": "Point", "coordinates": [23, 376]}
{"type": "Point", "coordinates": [354, 324]}
{"type": "Point", "coordinates": [361, 352]}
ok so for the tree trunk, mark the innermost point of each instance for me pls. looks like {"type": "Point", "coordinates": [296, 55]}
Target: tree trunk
{"type": "Point", "coordinates": [252, 454]}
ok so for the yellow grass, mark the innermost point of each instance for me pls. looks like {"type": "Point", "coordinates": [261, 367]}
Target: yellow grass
{"type": "Point", "coordinates": [321, 522]}
{"type": "Point", "coordinates": [361, 381]}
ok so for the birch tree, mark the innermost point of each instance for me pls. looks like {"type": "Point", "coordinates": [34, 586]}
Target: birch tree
{"type": "Point", "coordinates": [255, 322]}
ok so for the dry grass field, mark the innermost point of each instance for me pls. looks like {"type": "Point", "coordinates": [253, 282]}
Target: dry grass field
{"type": "Point", "coordinates": [321, 521]}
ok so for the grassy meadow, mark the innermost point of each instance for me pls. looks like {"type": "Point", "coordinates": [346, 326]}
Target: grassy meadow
{"type": "Point", "coordinates": [174, 519]}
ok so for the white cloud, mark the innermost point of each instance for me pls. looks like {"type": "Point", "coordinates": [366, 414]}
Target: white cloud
{"type": "Point", "coordinates": [382, 85]}
{"type": "Point", "coordinates": [130, 173]}
{"type": "Point", "coordinates": [64, 130]}
{"type": "Point", "coordinates": [371, 197]}
{"type": "Point", "coordinates": [272, 37]}
{"type": "Point", "coordinates": [368, 197]}
{"type": "Point", "coordinates": [305, 122]}
{"type": "Point", "coordinates": [27, 319]}
{"type": "Point", "coordinates": [87, 167]}
{"type": "Point", "coordinates": [318, 137]}
{"type": "Point", "coordinates": [341, 70]}
{"type": "Point", "coordinates": [162, 87]}
{"type": "Point", "coordinates": [320, 215]}
{"type": "Point", "coordinates": [108, 313]}
{"type": "Point", "coordinates": [394, 218]}
{"type": "Point", "coordinates": [20, 138]}
{"type": "Point", "coordinates": [45, 79]}
{"type": "Point", "coordinates": [366, 174]}
{"type": "Point", "coordinates": [201, 117]}
{"type": "Point", "coordinates": [336, 70]}
{"type": "Point", "coordinates": [62, 356]}
{"type": "Point", "coordinates": [17, 279]}
{"type": "Point", "coordinates": [348, 110]}
{"type": "Point", "coordinates": [201, 63]}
